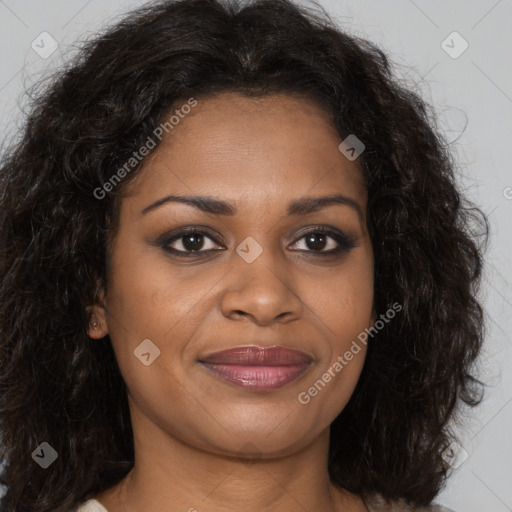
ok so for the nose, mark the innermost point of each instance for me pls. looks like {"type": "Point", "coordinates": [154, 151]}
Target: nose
{"type": "Point", "coordinates": [261, 291]}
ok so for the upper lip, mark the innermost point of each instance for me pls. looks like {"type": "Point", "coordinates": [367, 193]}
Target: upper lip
{"type": "Point", "coordinates": [258, 356]}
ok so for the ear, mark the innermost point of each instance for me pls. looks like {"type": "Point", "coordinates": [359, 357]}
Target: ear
{"type": "Point", "coordinates": [98, 327]}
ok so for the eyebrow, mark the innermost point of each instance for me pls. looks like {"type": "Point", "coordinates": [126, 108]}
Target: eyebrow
{"type": "Point", "coordinates": [214, 206]}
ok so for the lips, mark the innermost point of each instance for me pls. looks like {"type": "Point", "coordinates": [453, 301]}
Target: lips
{"type": "Point", "coordinates": [257, 368]}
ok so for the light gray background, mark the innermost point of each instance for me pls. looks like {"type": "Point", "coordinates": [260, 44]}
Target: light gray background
{"type": "Point", "coordinates": [471, 92]}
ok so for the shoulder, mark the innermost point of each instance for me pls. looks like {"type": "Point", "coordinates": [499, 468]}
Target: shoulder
{"type": "Point", "coordinates": [377, 503]}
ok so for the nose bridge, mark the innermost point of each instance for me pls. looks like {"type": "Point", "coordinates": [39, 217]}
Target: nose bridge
{"type": "Point", "coordinates": [259, 285]}
{"type": "Point", "coordinates": [258, 264]}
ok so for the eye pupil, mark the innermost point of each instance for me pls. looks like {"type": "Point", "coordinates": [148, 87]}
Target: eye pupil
{"type": "Point", "coordinates": [192, 241]}
{"type": "Point", "coordinates": [313, 244]}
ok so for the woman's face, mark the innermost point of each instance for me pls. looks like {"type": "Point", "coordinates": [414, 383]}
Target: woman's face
{"type": "Point", "coordinates": [254, 275]}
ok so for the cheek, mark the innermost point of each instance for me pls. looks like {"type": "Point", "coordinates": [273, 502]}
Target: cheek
{"type": "Point", "coordinates": [149, 299]}
{"type": "Point", "coordinates": [344, 299]}
{"type": "Point", "coordinates": [350, 313]}
{"type": "Point", "coordinates": [145, 296]}
{"type": "Point", "coordinates": [344, 304]}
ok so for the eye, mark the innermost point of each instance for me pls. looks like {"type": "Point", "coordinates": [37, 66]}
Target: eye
{"type": "Point", "coordinates": [320, 241]}
{"type": "Point", "coordinates": [325, 242]}
{"type": "Point", "coordinates": [188, 242]}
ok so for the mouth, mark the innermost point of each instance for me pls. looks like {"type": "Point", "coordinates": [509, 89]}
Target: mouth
{"type": "Point", "coordinates": [258, 368]}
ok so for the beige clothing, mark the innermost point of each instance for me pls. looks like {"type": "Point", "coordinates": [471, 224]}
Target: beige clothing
{"type": "Point", "coordinates": [375, 505]}
{"type": "Point", "coordinates": [91, 506]}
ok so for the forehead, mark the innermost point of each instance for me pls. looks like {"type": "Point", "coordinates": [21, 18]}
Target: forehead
{"type": "Point", "coordinates": [251, 150]}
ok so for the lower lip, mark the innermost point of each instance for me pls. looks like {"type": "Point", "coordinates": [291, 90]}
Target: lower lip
{"type": "Point", "coordinates": [258, 378]}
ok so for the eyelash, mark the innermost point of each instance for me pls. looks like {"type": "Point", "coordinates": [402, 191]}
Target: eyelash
{"type": "Point", "coordinates": [345, 242]}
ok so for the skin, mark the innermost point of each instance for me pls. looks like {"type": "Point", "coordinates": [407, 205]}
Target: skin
{"type": "Point", "coordinates": [194, 432]}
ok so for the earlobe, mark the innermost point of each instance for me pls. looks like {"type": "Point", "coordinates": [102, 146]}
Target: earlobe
{"type": "Point", "coordinates": [97, 327]}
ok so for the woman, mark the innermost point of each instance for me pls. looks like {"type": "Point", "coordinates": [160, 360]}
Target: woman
{"type": "Point", "coordinates": [237, 273]}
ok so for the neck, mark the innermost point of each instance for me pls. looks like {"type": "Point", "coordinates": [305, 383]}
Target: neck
{"type": "Point", "coordinates": [171, 475]}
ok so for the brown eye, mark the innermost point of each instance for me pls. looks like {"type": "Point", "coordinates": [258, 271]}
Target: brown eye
{"type": "Point", "coordinates": [326, 242]}
{"type": "Point", "coordinates": [190, 241]}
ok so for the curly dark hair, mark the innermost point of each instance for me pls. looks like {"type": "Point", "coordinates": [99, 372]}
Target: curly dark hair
{"type": "Point", "coordinates": [89, 117]}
